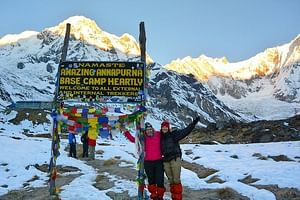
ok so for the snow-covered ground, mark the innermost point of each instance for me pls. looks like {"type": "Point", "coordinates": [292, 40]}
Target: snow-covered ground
{"type": "Point", "coordinates": [17, 157]}
{"type": "Point", "coordinates": [261, 106]}
{"type": "Point", "coordinates": [219, 157]}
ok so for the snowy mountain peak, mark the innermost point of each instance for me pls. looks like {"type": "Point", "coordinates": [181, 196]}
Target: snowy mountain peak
{"type": "Point", "coordinates": [86, 30]}
{"type": "Point", "coordinates": [80, 21]}
{"type": "Point", "coordinates": [269, 76]}
{"type": "Point", "coordinates": [202, 67]}
{"type": "Point", "coordinates": [80, 26]}
{"type": "Point", "coordinates": [29, 60]}
{"type": "Point", "coordinates": [28, 66]}
{"type": "Point", "coordinates": [296, 40]}
{"type": "Point", "coordinates": [13, 38]}
{"type": "Point", "coordinates": [262, 64]}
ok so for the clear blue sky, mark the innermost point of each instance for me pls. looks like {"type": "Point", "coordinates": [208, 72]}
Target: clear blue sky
{"type": "Point", "coordinates": [237, 29]}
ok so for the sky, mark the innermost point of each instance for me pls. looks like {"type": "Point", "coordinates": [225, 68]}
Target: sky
{"type": "Point", "coordinates": [17, 165]}
{"type": "Point", "coordinates": [236, 29]}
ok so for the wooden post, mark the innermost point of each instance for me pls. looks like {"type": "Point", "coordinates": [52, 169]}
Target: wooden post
{"type": "Point", "coordinates": [142, 39]}
{"type": "Point", "coordinates": [66, 43]}
{"type": "Point", "coordinates": [55, 112]}
{"type": "Point", "coordinates": [62, 59]}
{"type": "Point", "coordinates": [141, 172]}
{"type": "Point", "coordinates": [142, 195]}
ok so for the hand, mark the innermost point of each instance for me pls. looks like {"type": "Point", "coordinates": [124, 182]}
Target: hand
{"type": "Point", "coordinates": [123, 129]}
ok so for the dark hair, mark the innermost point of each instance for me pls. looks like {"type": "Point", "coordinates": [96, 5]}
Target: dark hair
{"type": "Point", "coordinates": [148, 125]}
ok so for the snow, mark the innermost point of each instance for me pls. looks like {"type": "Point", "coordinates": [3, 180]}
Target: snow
{"type": "Point", "coordinates": [19, 153]}
{"type": "Point", "coordinates": [271, 96]}
{"type": "Point", "coordinates": [18, 157]}
{"type": "Point", "coordinates": [261, 104]}
{"type": "Point", "coordinates": [34, 83]}
{"type": "Point", "coordinates": [204, 67]}
{"type": "Point", "coordinates": [82, 26]}
{"type": "Point", "coordinates": [25, 125]}
{"type": "Point", "coordinates": [12, 38]}
{"type": "Point", "coordinates": [284, 174]}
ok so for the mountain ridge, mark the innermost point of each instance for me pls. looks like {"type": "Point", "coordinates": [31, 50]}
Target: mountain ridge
{"type": "Point", "coordinates": [29, 65]}
{"type": "Point", "coordinates": [262, 64]}
{"type": "Point", "coordinates": [247, 86]}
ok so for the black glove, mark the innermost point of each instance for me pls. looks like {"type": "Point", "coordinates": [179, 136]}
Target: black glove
{"type": "Point", "coordinates": [196, 120]}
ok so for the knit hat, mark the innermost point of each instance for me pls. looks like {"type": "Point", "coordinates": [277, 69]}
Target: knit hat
{"type": "Point", "coordinates": [148, 125]}
{"type": "Point", "coordinates": [165, 123]}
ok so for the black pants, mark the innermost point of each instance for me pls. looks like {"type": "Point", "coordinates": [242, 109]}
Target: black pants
{"type": "Point", "coordinates": [155, 172]}
{"type": "Point", "coordinates": [85, 150]}
{"type": "Point", "coordinates": [73, 150]}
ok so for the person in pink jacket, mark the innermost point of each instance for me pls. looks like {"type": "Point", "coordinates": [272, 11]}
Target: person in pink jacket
{"type": "Point", "coordinates": [153, 162]}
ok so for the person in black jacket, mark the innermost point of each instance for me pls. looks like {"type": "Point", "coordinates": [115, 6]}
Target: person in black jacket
{"type": "Point", "coordinates": [72, 143]}
{"type": "Point", "coordinates": [171, 154]}
{"type": "Point", "coordinates": [84, 140]}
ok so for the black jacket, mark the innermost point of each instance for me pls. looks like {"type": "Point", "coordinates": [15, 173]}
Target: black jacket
{"type": "Point", "coordinates": [84, 138]}
{"type": "Point", "coordinates": [170, 148]}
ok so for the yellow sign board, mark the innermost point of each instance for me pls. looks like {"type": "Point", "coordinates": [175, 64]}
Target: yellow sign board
{"type": "Point", "coordinates": [102, 81]}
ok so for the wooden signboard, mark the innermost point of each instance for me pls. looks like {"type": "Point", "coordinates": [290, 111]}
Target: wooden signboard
{"type": "Point", "coordinates": [101, 81]}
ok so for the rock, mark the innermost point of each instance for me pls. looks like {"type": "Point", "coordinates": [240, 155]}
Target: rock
{"type": "Point", "coordinates": [20, 65]}
{"type": "Point", "coordinates": [281, 193]}
{"type": "Point", "coordinates": [281, 158]}
{"type": "Point", "coordinates": [215, 179]}
{"type": "Point", "coordinates": [50, 68]}
{"type": "Point", "coordinates": [254, 132]}
{"type": "Point", "coordinates": [248, 179]}
{"type": "Point", "coordinates": [200, 170]}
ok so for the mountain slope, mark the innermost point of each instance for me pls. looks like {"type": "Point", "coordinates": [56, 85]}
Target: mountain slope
{"type": "Point", "coordinates": [28, 66]}
{"type": "Point", "coordinates": [262, 64]}
{"type": "Point", "coordinates": [266, 86]}
{"type": "Point", "coordinates": [29, 63]}
{"type": "Point", "coordinates": [179, 97]}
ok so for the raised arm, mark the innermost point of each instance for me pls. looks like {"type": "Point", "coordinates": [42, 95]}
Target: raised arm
{"type": "Point", "coordinates": [129, 137]}
{"type": "Point", "coordinates": [180, 134]}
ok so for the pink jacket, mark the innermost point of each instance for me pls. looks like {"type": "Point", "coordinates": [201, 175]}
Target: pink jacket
{"type": "Point", "coordinates": [152, 145]}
